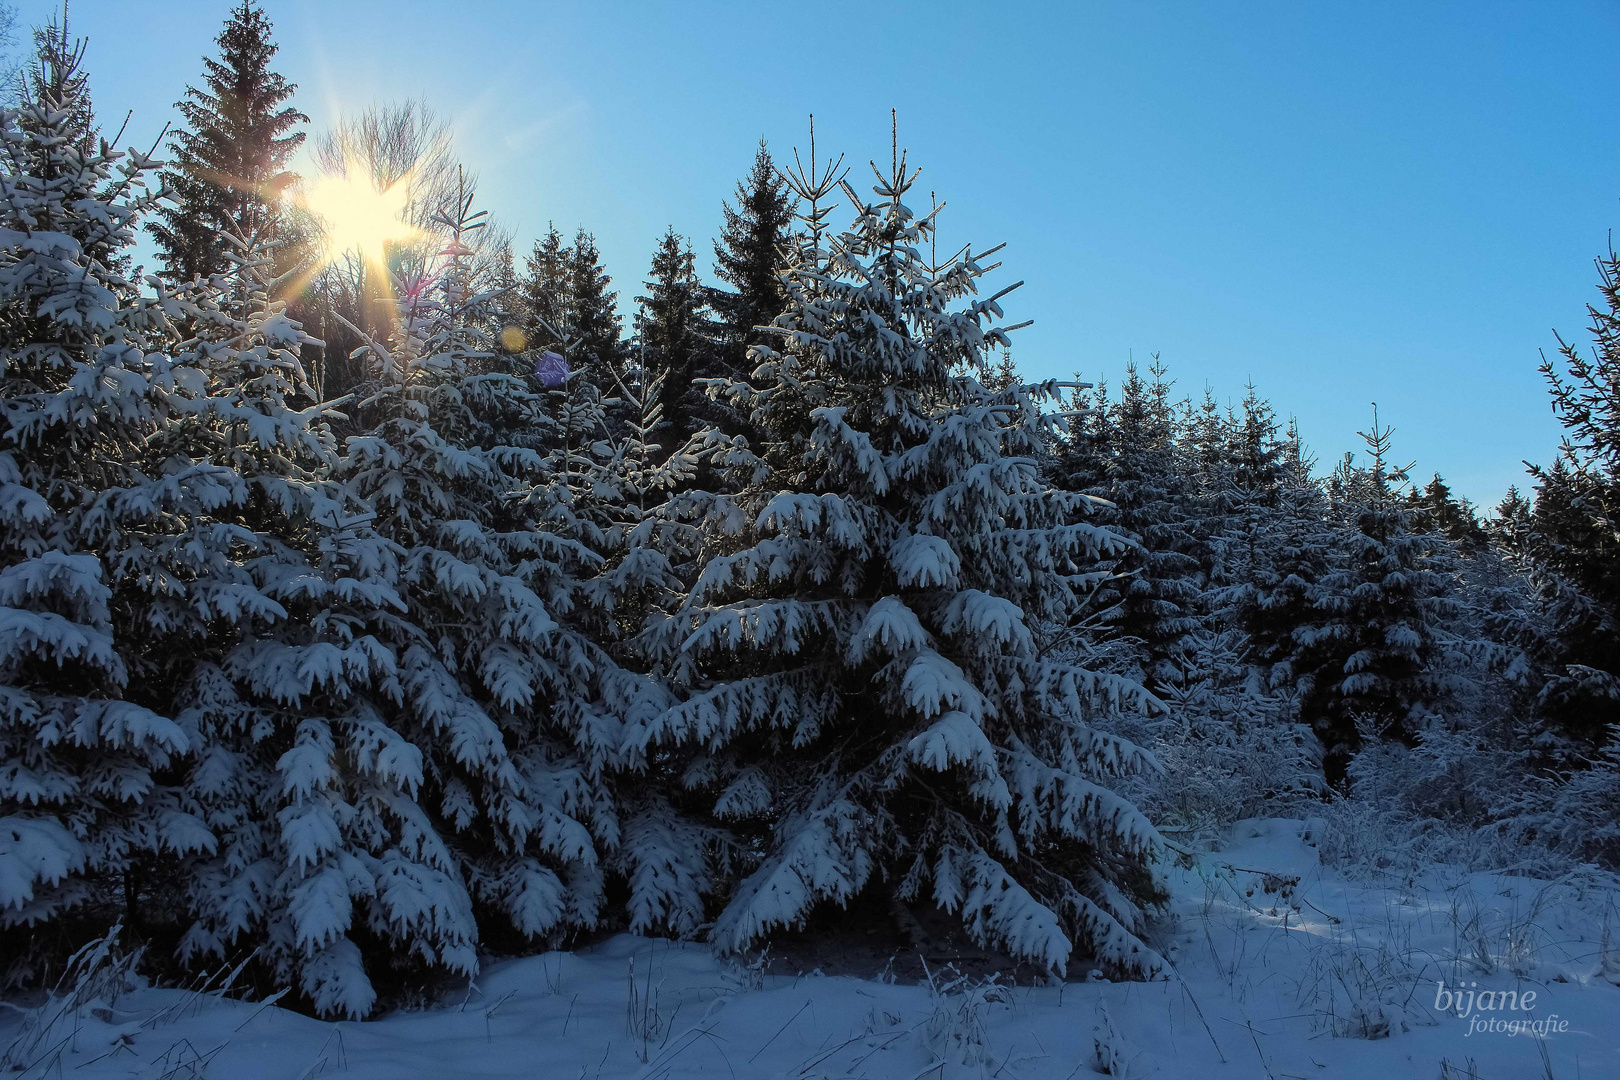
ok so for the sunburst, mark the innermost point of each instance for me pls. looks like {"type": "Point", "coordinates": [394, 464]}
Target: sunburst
{"type": "Point", "coordinates": [360, 215]}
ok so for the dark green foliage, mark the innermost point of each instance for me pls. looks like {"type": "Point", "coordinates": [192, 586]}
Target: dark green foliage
{"type": "Point", "coordinates": [542, 294]}
{"type": "Point", "coordinates": [1242, 487]}
{"type": "Point", "coordinates": [229, 162]}
{"type": "Point", "coordinates": [566, 306]}
{"type": "Point", "coordinates": [1437, 510]}
{"type": "Point", "coordinates": [1259, 459]}
{"type": "Point", "coordinates": [593, 320]}
{"type": "Point", "coordinates": [1509, 525]}
{"type": "Point", "coordinates": [1365, 656]}
{"type": "Point", "coordinates": [1573, 535]}
{"type": "Point", "coordinates": [671, 327]}
{"type": "Point", "coordinates": [748, 257]}
{"type": "Point", "coordinates": [1128, 454]}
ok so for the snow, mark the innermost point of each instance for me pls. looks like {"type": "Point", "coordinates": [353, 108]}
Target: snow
{"type": "Point", "coordinates": [1282, 968]}
{"type": "Point", "coordinates": [33, 850]}
{"type": "Point", "coordinates": [922, 560]}
{"type": "Point", "coordinates": [889, 624]}
{"type": "Point", "coordinates": [955, 738]}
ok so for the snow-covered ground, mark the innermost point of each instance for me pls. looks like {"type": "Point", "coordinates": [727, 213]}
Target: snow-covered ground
{"type": "Point", "coordinates": [1318, 977]}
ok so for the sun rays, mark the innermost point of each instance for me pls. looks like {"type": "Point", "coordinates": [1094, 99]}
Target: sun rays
{"type": "Point", "coordinates": [361, 216]}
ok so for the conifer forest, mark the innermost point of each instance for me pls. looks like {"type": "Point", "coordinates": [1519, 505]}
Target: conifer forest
{"type": "Point", "coordinates": [425, 653]}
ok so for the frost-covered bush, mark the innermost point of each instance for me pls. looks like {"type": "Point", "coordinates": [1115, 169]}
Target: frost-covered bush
{"type": "Point", "coordinates": [1467, 784]}
{"type": "Point", "coordinates": [1572, 815]}
{"type": "Point", "coordinates": [1230, 746]}
{"type": "Point", "coordinates": [955, 1029]}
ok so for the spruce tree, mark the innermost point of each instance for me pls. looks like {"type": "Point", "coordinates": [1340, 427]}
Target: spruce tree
{"type": "Point", "coordinates": [870, 711]}
{"type": "Point", "coordinates": [1295, 553]}
{"type": "Point", "coordinates": [56, 72]}
{"type": "Point", "coordinates": [93, 556]}
{"type": "Point", "coordinates": [1367, 656]}
{"type": "Point", "coordinates": [1202, 439]}
{"type": "Point", "coordinates": [670, 328]}
{"type": "Point", "coordinates": [1256, 452]}
{"type": "Point", "coordinates": [1245, 493]}
{"type": "Point", "coordinates": [1079, 457]}
{"type": "Point", "coordinates": [1574, 540]}
{"type": "Point", "coordinates": [303, 783]}
{"type": "Point", "coordinates": [332, 750]}
{"type": "Point", "coordinates": [594, 330]}
{"type": "Point", "coordinates": [1440, 511]}
{"type": "Point", "coordinates": [229, 163]}
{"type": "Point", "coordinates": [502, 509]}
{"type": "Point", "coordinates": [542, 294]}
{"type": "Point", "coordinates": [1566, 539]}
{"type": "Point", "coordinates": [1005, 373]}
{"type": "Point", "coordinates": [748, 256]}
{"type": "Point", "coordinates": [1141, 476]}
{"type": "Point", "coordinates": [565, 305]}
{"type": "Point", "coordinates": [1509, 524]}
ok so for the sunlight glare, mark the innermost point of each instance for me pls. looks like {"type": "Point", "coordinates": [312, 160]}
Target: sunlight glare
{"type": "Point", "coordinates": [359, 217]}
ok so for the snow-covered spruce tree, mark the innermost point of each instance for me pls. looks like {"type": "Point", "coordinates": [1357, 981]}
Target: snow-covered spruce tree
{"type": "Point", "coordinates": [1569, 540]}
{"type": "Point", "coordinates": [1079, 455]}
{"type": "Point", "coordinates": [593, 327]}
{"type": "Point", "coordinates": [92, 520]}
{"type": "Point", "coordinates": [1231, 744]}
{"type": "Point", "coordinates": [324, 861]}
{"type": "Point", "coordinates": [1243, 491]}
{"type": "Point", "coordinates": [867, 703]}
{"type": "Point", "coordinates": [1469, 756]}
{"type": "Point", "coordinates": [515, 708]}
{"type": "Point", "coordinates": [1288, 553]}
{"type": "Point", "coordinates": [311, 772]}
{"type": "Point", "coordinates": [56, 71]}
{"type": "Point", "coordinates": [1439, 511]}
{"type": "Point", "coordinates": [1203, 438]}
{"type": "Point", "coordinates": [1366, 657]}
{"type": "Point", "coordinates": [1005, 374]}
{"type": "Point", "coordinates": [1151, 498]}
{"type": "Point", "coordinates": [1564, 541]}
{"type": "Point", "coordinates": [541, 297]}
{"type": "Point", "coordinates": [1574, 539]}
{"type": "Point", "coordinates": [672, 332]}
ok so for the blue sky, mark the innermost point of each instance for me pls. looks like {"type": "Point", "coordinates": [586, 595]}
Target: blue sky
{"type": "Point", "coordinates": [1345, 203]}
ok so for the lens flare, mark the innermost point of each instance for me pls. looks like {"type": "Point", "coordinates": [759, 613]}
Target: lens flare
{"type": "Point", "coordinates": [513, 339]}
{"type": "Point", "coordinates": [360, 215]}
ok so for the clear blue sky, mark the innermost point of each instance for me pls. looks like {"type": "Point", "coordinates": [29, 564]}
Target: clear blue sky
{"type": "Point", "coordinates": [1343, 202]}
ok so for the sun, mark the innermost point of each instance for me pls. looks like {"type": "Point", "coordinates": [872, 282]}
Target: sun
{"type": "Point", "coordinates": [360, 215]}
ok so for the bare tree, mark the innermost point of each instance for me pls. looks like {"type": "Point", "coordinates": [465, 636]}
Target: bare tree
{"type": "Point", "coordinates": [405, 142]}
{"type": "Point", "coordinates": [11, 66]}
